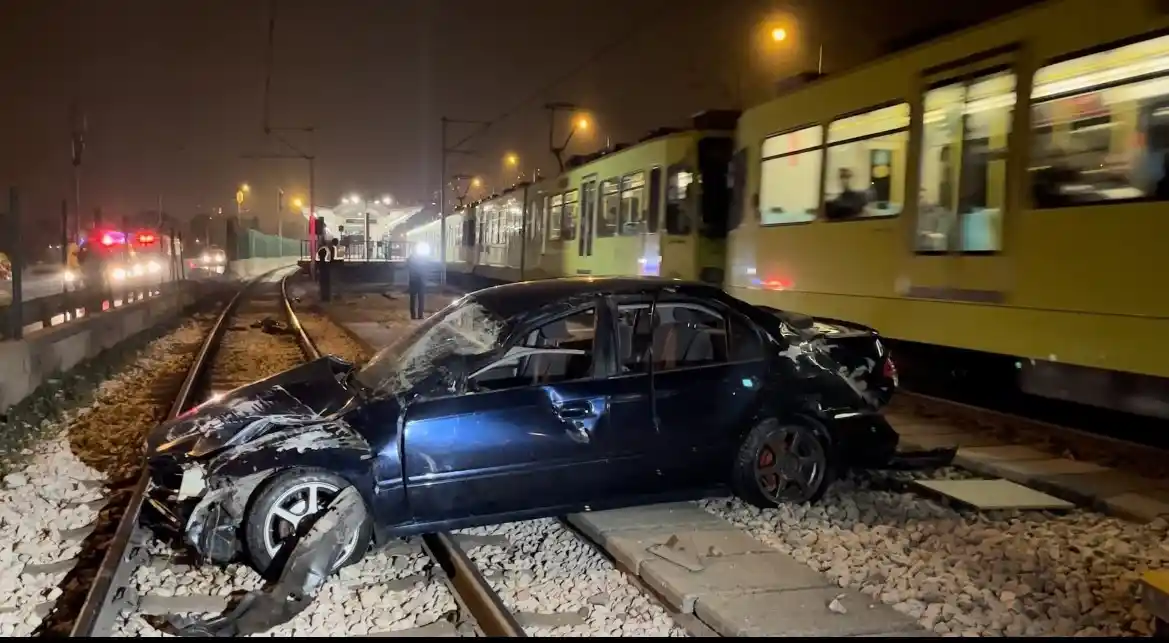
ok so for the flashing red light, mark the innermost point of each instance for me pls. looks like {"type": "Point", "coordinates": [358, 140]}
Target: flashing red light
{"type": "Point", "coordinates": [777, 284]}
{"type": "Point", "coordinates": [107, 239]}
{"type": "Point", "coordinates": [145, 238]}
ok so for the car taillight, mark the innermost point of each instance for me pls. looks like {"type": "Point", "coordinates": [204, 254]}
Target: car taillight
{"type": "Point", "coordinates": [889, 370]}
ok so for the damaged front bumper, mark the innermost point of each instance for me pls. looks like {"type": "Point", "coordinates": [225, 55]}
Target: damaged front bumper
{"type": "Point", "coordinates": [181, 504]}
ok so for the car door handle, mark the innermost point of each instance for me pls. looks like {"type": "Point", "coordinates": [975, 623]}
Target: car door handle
{"type": "Point", "coordinates": [575, 411]}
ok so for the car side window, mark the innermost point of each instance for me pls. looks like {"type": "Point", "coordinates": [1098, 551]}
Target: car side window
{"type": "Point", "coordinates": [570, 355]}
{"type": "Point", "coordinates": [634, 336]}
{"type": "Point", "coordinates": [745, 342]}
{"type": "Point", "coordinates": [687, 335]}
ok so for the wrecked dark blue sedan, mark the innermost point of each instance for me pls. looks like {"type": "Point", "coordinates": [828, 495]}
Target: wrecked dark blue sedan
{"type": "Point", "coordinates": [529, 400]}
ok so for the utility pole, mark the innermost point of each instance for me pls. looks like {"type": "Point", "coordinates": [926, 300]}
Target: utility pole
{"type": "Point", "coordinates": [280, 222]}
{"type": "Point", "coordinates": [78, 125]}
{"type": "Point", "coordinates": [455, 149]}
{"type": "Point", "coordinates": [270, 62]}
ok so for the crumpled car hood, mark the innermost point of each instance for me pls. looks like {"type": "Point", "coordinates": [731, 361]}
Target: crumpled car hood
{"type": "Point", "coordinates": [299, 396]}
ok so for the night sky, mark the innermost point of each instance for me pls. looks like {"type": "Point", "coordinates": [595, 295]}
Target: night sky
{"type": "Point", "coordinates": [173, 89]}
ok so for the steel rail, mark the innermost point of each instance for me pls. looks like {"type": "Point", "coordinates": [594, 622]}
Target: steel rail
{"type": "Point", "coordinates": [467, 583]}
{"type": "Point", "coordinates": [102, 601]}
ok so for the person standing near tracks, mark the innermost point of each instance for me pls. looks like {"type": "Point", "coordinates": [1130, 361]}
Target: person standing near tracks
{"type": "Point", "coordinates": [325, 256]}
{"type": "Point", "coordinates": [416, 268]}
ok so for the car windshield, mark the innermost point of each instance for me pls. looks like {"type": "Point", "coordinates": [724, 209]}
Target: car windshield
{"type": "Point", "coordinates": [466, 329]}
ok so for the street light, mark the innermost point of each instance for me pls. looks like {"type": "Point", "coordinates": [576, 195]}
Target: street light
{"type": "Point", "coordinates": [476, 182]}
{"type": "Point", "coordinates": [245, 188]}
{"type": "Point", "coordinates": [511, 159]}
{"type": "Point", "coordinates": [582, 123]}
{"type": "Point", "coordinates": [387, 200]}
{"type": "Point", "coordinates": [297, 203]}
{"type": "Point", "coordinates": [779, 34]}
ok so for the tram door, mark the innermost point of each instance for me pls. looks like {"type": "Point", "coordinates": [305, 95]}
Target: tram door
{"type": "Point", "coordinates": [588, 224]}
{"type": "Point", "coordinates": [967, 187]}
{"type": "Point", "coordinates": [678, 246]}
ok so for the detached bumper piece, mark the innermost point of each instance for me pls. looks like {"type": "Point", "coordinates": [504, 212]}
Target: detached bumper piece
{"type": "Point", "coordinates": [918, 460]}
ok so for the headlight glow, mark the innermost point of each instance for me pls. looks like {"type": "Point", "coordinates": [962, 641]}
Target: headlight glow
{"type": "Point", "coordinates": [138, 270]}
{"type": "Point", "coordinates": [118, 274]}
{"type": "Point", "coordinates": [153, 267]}
{"type": "Point", "coordinates": [206, 258]}
{"type": "Point", "coordinates": [70, 277]}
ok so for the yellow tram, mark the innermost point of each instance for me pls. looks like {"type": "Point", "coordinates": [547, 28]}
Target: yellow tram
{"type": "Point", "coordinates": [658, 207]}
{"type": "Point", "coordinates": [910, 194]}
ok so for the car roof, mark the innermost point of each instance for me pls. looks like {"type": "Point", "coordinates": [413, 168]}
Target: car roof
{"type": "Point", "coordinates": [521, 299]}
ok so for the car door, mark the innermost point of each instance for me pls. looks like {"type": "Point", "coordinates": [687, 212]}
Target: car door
{"type": "Point", "coordinates": [533, 437]}
{"type": "Point", "coordinates": [708, 366]}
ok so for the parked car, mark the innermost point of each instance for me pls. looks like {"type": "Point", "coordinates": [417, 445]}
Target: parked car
{"type": "Point", "coordinates": [529, 400]}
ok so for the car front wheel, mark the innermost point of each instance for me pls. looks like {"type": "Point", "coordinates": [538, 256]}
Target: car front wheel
{"type": "Point", "coordinates": [283, 503]}
{"type": "Point", "coordinates": [782, 462]}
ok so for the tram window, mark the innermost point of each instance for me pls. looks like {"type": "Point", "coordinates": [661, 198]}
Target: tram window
{"type": "Point", "coordinates": [535, 218]}
{"type": "Point", "coordinates": [965, 130]}
{"type": "Point", "coordinates": [632, 196]}
{"type": "Point", "coordinates": [866, 164]}
{"type": "Point", "coordinates": [655, 199]}
{"type": "Point", "coordinates": [610, 207]}
{"type": "Point", "coordinates": [568, 228]}
{"type": "Point", "coordinates": [738, 183]}
{"type": "Point", "coordinates": [555, 216]}
{"type": "Point", "coordinates": [1100, 127]}
{"type": "Point", "coordinates": [678, 217]}
{"type": "Point", "coordinates": [790, 177]}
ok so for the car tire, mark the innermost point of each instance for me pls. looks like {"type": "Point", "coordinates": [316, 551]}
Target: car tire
{"type": "Point", "coordinates": [284, 491]}
{"type": "Point", "coordinates": [766, 473]}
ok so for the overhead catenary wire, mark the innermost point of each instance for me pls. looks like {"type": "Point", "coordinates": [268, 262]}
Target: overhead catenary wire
{"type": "Point", "coordinates": [639, 26]}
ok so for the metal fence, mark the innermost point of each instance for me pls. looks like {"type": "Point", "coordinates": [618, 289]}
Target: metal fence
{"type": "Point", "coordinates": [253, 244]}
{"type": "Point", "coordinates": [41, 294]}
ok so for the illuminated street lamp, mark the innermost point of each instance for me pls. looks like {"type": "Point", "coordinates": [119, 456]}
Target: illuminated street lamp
{"type": "Point", "coordinates": [512, 160]}
{"type": "Point", "coordinates": [245, 188]}
{"type": "Point", "coordinates": [780, 35]}
{"type": "Point", "coordinates": [387, 200]}
{"type": "Point", "coordinates": [297, 203]}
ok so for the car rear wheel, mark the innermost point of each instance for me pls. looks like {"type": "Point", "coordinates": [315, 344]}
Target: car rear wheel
{"type": "Point", "coordinates": [782, 463]}
{"type": "Point", "coordinates": [283, 503]}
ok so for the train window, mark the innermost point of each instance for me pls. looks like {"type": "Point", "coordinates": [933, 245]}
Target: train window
{"type": "Point", "coordinates": [568, 220]}
{"type": "Point", "coordinates": [737, 184]}
{"type": "Point", "coordinates": [963, 164]}
{"type": "Point", "coordinates": [588, 219]}
{"type": "Point", "coordinates": [555, 217]}
{"type": "Point", "coordinates": [536, 218]}
{"type": "Point", "coordinates": [516, 209]}
{"type": "Point", "coordinates": [1100, 127]}
{"type": "Point", "coordinates": [790, 176]}
{"type": "Point", "coordinates": [632, 197]}
{"type": "Point", "coordinates": [678, 220]}
{"type": "Point", "coordinates": [866, 164]}
{"type": "Point", "coordinates": [610, 208]}
{"type": "Point", "coordinates": [655, 199]}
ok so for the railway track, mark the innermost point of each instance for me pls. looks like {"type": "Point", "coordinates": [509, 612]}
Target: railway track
{"type": "Point", "coordinates": [423, 584]}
